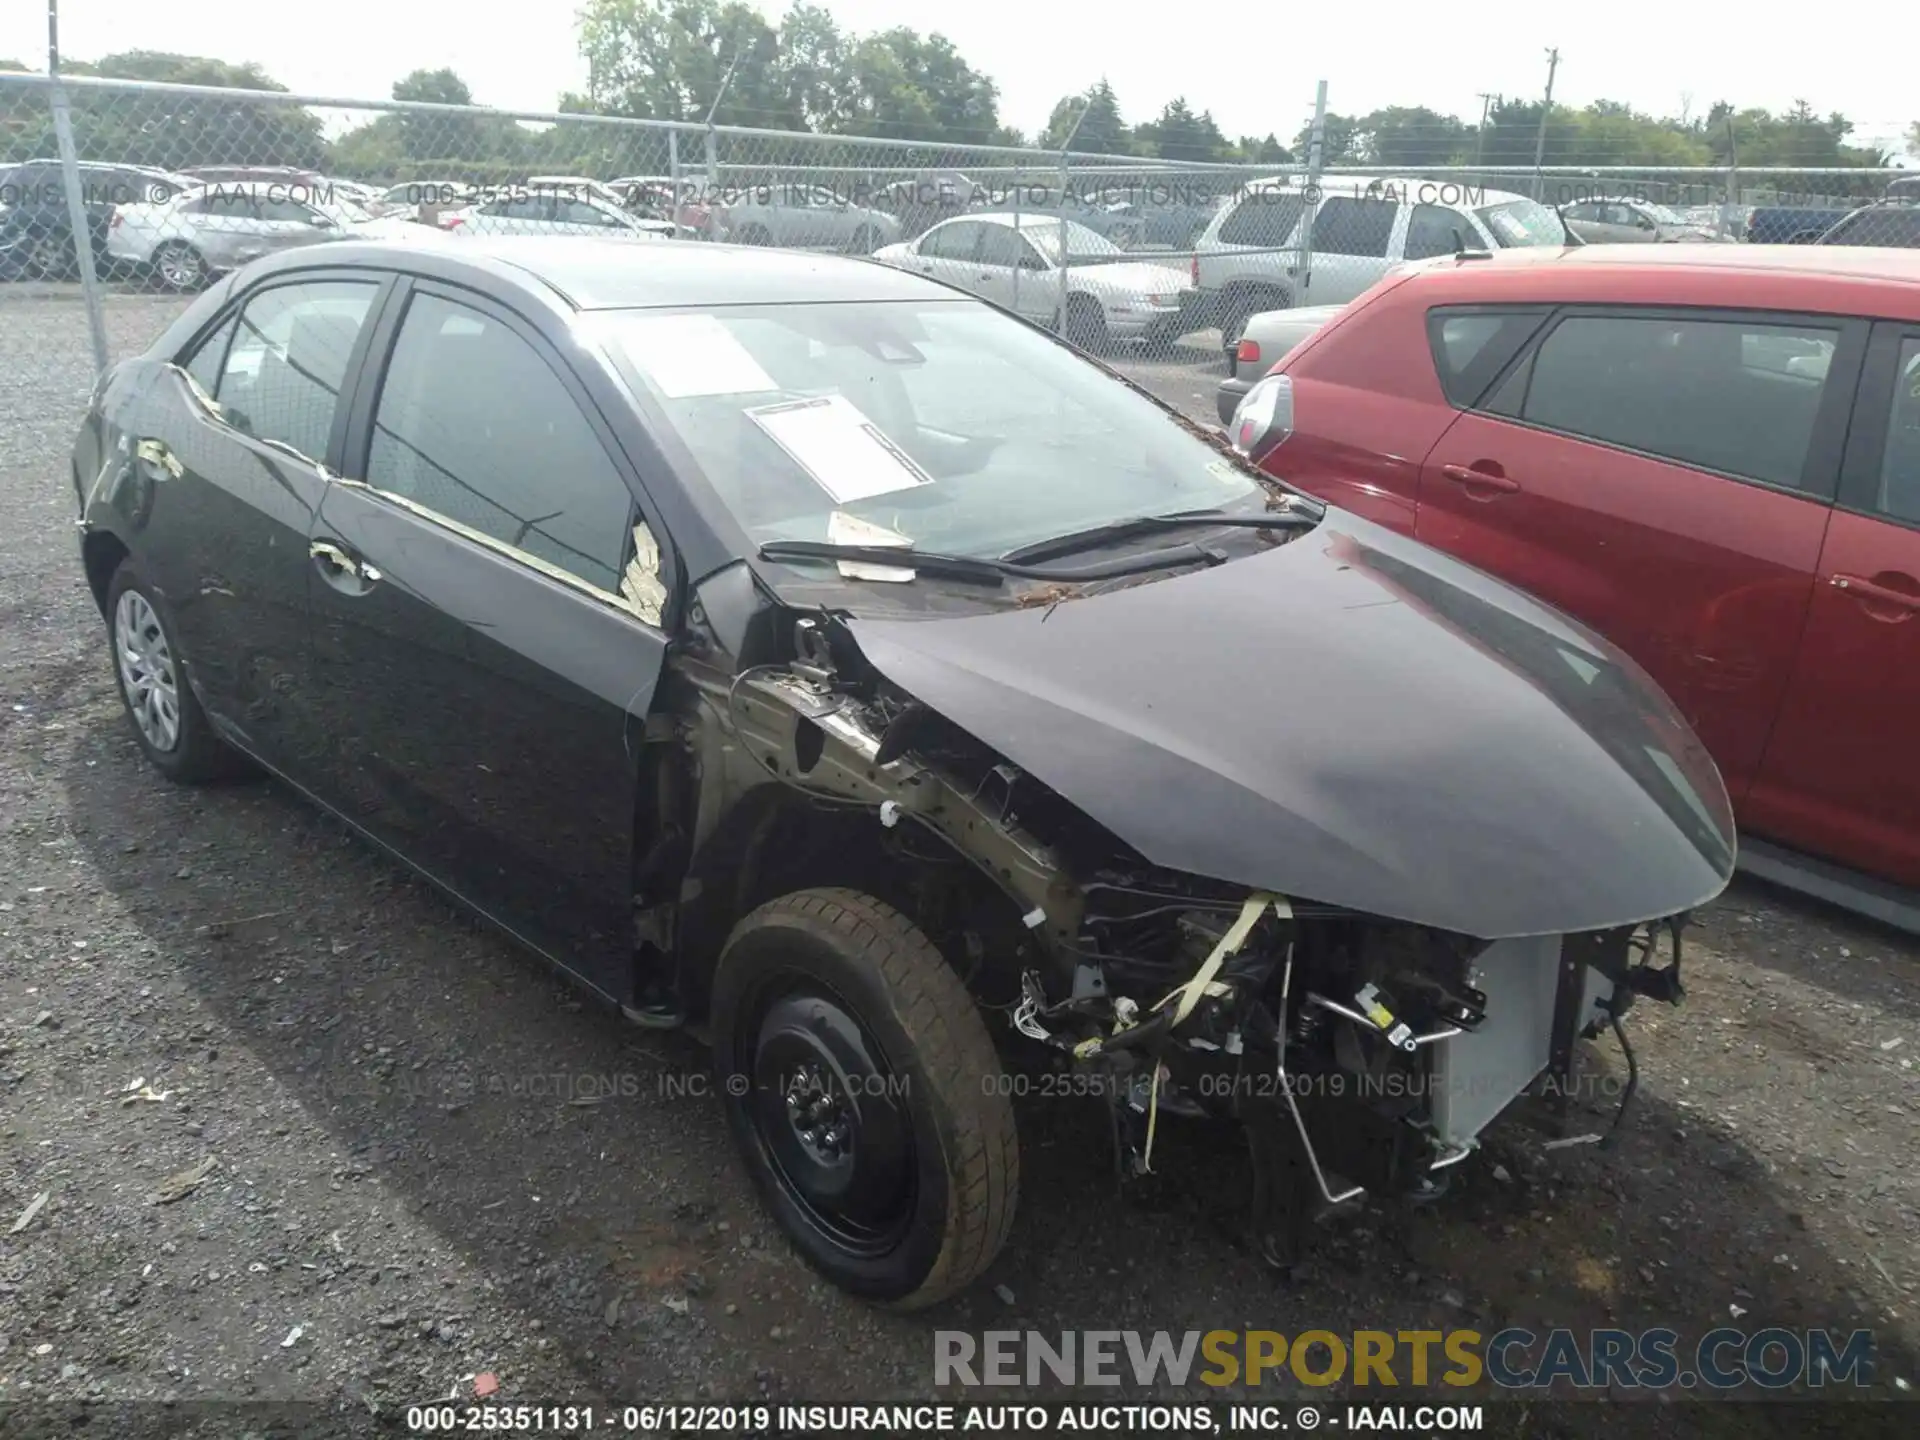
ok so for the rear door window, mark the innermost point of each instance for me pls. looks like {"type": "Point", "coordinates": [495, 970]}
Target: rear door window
{"type": "Point", "coordinates": [953, 242]}
{"type": "Point", "coordinates": [1263, 219]}
{"type": "Point", "coordinates": [1894, 226]}
{"type": "Point", "coordinates": [1727, 394]}
{"type": "Point", "coordinates": [283, 373]}
{"type": "Point", "coordinates": [1436, 230]}
{"type": "Point", "coordinates": [1354, 225]}
{"type": "Point", "coordinates": [1004, 248]}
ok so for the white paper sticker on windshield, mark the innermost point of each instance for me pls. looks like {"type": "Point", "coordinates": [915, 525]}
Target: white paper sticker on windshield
{"type": "Point", "coordinates": [689, 355]}
{"type": "Point", "coordinates": [847, 455]}
{"type": "Point", "coordinates": [845, 529]}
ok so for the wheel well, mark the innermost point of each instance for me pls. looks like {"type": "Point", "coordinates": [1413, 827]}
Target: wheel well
{"type": "Point", "coordinates": [1248, 289]}
{"type": "Point", "coordinates": [776, 840]}
{"type": "Point", "coordinates": [101, 553]}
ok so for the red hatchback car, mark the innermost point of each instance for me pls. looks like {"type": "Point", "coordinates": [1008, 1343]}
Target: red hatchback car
{"type": "Point", "coordinates": [1711, 455]}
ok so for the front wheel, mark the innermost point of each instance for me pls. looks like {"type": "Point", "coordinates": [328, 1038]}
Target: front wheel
{"type": "Point", "coordinates": [179, 266]}
{"type": "Point", "coordinates": [1086, 323]}
{"type": "Point", "coordinates": [859, 1084]}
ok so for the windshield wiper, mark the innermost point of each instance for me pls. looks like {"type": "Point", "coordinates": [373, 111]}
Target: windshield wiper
{"type": "Point", "coordinates": [1119, 530]}
{"type": "Point", "coordinates": [986, 570]}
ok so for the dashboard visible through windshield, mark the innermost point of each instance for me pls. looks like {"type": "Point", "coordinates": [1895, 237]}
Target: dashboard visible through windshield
{"type": "Point", "coordinates": [942, 424]}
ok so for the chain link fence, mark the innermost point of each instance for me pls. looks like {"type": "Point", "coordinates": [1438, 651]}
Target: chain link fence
{"type": "Point", "coordinates": [1148, 261]}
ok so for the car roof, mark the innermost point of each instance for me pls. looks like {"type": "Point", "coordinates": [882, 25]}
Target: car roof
{"type": "Point", "coordinates": [1009, 218]}
{"type": "Point", "coordinates": [1406, 187]}
{"type": "Point", "coordinates": [594, 274]}
{"type": "Point", "coordinates": [1846, 279]}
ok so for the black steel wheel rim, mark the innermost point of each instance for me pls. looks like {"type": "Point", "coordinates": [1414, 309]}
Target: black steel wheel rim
{"type": "Point", "coordinates": [828, 1116]}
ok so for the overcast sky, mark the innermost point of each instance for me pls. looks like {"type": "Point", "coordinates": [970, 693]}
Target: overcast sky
{"type": "Point", "coordinates": [1252, 63]}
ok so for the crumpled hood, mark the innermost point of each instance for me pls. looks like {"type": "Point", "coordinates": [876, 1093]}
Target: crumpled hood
{"type": "Point", "coordinates": [1351, 718]}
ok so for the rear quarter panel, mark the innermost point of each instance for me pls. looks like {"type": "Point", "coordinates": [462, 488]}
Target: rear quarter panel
{"type": "Point", "coordinates": [1367, 408]}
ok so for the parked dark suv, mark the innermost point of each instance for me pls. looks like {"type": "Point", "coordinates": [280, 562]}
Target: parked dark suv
{"type": "Point", "coordinates": [36, 232]}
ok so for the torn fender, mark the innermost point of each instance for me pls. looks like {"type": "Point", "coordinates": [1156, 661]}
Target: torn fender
{"type": "Point", "coordinates": [1351, 718]}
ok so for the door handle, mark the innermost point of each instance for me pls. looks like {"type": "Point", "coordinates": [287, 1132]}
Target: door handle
{"type": "Point", "coordinates": [1870, 593]}
{"type": "Point", "coordinates": [337, 563]}
{"type": "Point", "coordinates": [1485, 479]}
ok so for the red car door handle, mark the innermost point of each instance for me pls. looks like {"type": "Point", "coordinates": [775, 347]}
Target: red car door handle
{"type": "Point", "coordinates": [1485, 479]}
{"type": "Point", "coordinates": [1870, 593]}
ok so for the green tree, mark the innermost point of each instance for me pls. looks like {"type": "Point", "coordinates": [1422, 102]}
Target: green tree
{"type": "Point", "coordinates": [667, 59]}
{"type": "Point", "coordinates": [913, 87]}
{"type": "Point", "coordinates": [437, 135]}
{"type": "Point", "coordinates": [1408, 136]}
{"type": "Point", "coordinates": [1179, 134]}
{"type": "Point", "coordinates": [1102, 132]}
{"type": "Point", "coordinates": [179, 131]}
{"type": "Point", "coordinates": [816, 68]}
{"type": "Point", "coordinates": [1793, 137]}
{"type": "Point", "coordinates": [1257, 151]}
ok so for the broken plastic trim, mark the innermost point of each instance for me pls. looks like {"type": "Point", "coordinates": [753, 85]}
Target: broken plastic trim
{"type": "Point", "coordinates": [1413, 1042]}
{"type": "Point", "coordinates": [640, 585]}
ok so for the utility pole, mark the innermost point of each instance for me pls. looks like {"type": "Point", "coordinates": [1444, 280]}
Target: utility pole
{"type": "Point", "coordinates": [1487, 102]}
{"type": "Point", "coordinates": [713, 137]}
{"type": "Point", "coordinates": [1546, 109]}
{"type": "Point", "coordinates": [79, 228]}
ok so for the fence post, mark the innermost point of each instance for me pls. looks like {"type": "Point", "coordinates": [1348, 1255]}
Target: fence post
{"type": "Point", "coordinates": [1020, 236]}
{"type": "Point", "coordinates": [713, 176]}
{"type": "Point", "coordinates": [1310, 212]}
{"type": "Point", "coordinates": [1733, 179]}
{"type": "Point", "coordinates": [1066, 251]}
{"type": "Point", "coordinates": [675, 205]}
{"type": "Point", "coordinates": [82, 232]}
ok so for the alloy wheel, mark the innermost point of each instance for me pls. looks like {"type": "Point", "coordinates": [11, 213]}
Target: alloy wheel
{"type": "Point", "coordinates": [179, 267]}
{"type": "Point", "coordinates": [147, 671]}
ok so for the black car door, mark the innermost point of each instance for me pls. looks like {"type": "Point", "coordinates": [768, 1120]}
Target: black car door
{"type": "Point", "coordinates": [487, 628]}
{"type": "Point", "coordinates": [221, 464]}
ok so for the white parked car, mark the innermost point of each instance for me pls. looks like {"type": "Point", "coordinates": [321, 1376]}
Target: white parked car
{"type": "Point", "coordinates": [1356, 229]}
{"type": "Point", "coordinates": [539, 212]}
{"type": "Point", "coordinates": [1016, 263]}
{"type": "Point", "coordinates": [576, 185]}
{"type": "Point", "coordinates": [213, 228]}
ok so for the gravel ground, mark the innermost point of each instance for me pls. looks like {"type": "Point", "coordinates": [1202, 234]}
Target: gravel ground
{"type": "Point", "coordinates": [429, 1162]}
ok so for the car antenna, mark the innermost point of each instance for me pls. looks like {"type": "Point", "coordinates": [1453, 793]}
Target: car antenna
{"type": "Point", "coordinates": [1464, 251]}
{"type": "Point", "coordinates": [1567, 231]}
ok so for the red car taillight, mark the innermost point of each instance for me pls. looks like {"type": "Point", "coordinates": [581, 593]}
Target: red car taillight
{"type": "Point", "coordinates": [1194, 269]}
{"type": "Point", "coordinates": [452, 222]}
{"type": "Point", "coordinates": [1248, 353]}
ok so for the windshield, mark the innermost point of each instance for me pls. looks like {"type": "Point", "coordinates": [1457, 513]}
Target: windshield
{"type": "Point", "coordinates": [1519, 223]}
{"type": "Point", "coordinates": [946, 424]}
{"type": "Point", "coordinates": [1082, 243]}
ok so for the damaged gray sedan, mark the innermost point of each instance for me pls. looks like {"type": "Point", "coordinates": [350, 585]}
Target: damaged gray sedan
{"type": "Point", "coordinates": [802, 651]}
